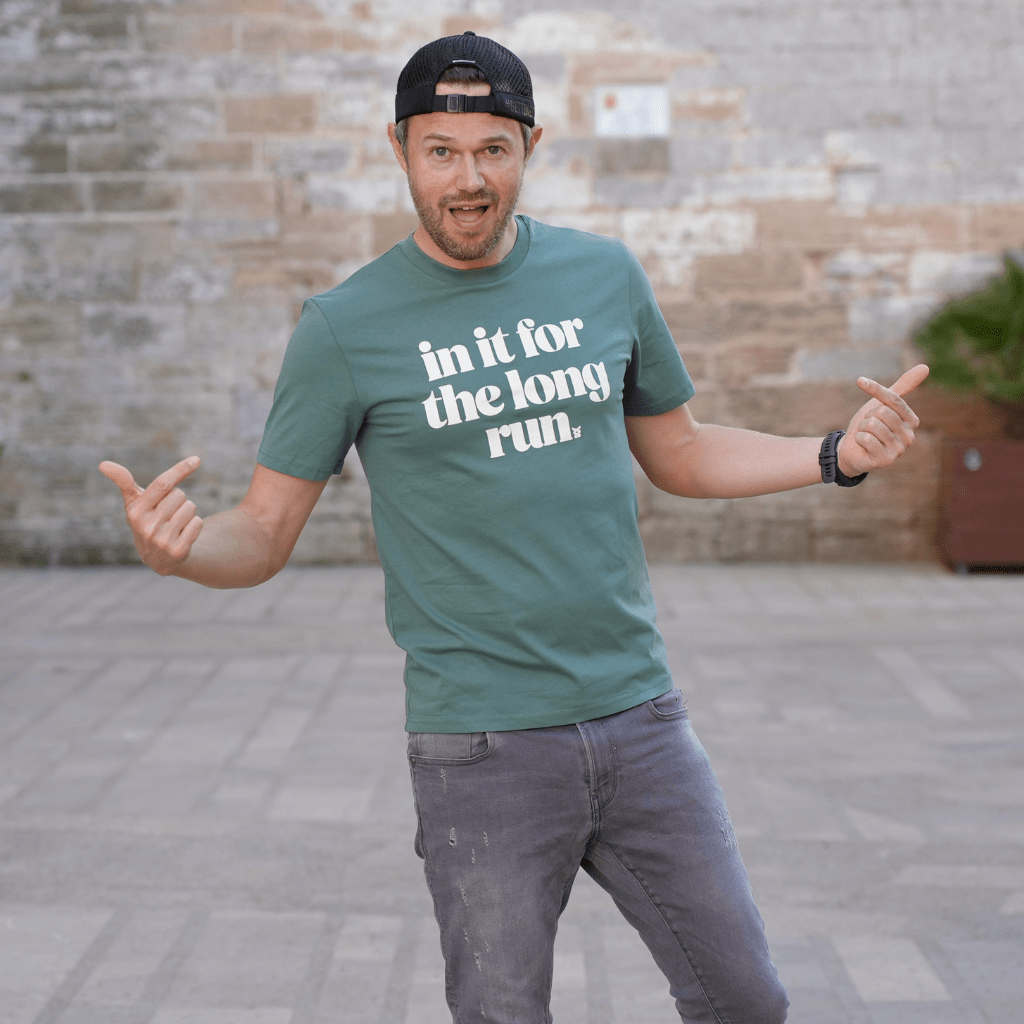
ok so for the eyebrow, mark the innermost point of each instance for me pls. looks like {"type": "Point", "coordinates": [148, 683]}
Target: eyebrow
{"type": "Point", "coordinates": [449, 138]}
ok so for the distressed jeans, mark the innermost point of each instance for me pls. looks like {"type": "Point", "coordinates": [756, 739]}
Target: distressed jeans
{"type": "Point", "coordinates": [507, 818]}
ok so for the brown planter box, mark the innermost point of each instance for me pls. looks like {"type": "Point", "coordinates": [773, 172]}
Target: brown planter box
{"type": "Point", "coordinates": [981, 519]}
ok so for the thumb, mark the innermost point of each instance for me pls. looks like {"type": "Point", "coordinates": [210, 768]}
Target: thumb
{"type": "Point", "coordinates": [910, 380]}
{"type": "Point", "coordinates": [130, 490]}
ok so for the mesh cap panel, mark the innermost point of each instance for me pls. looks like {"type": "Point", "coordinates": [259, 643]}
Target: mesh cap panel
{"type": "Point", "coordinates": [511, 86]}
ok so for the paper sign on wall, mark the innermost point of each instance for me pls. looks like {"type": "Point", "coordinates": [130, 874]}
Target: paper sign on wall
{"type": "Point", "coordinates": [631, 110]}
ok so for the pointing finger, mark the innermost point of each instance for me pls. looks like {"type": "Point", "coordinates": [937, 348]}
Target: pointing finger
{"type": "Point", "coordinates": [891, 397]}
{"type": "Point", "coordinates": [910, 380]}
{"type": "Point", "coordinates": [130, 490]}
{"type": "Point", "coordinates": [168, 480]}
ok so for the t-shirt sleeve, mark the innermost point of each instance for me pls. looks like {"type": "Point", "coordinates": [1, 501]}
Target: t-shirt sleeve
{"type": "Point", "coordinates": [656, 379]}
{"type": "Point", "coordinates": [316, 412]}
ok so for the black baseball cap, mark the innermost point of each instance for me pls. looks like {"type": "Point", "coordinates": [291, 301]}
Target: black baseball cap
{"type": "Point", "coordinates": [511, 86]}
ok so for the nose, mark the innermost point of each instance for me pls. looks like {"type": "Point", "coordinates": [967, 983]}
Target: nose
{"type": "Point", "coordinates": [468, 177]}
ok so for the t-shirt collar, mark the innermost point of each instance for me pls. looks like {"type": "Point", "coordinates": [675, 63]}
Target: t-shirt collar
{"type": "Point", "coordinates": [478, 275]}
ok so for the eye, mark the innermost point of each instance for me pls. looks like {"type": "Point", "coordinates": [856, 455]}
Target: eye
{"type": "Point", "coordinates": [495, 150]}
{"type": "Point", "coordinates": [440, 151]}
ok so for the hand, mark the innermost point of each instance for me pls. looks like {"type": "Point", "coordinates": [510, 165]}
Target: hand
{"type": "Point", "coordinates": [883, 428]}
{"type": "Point", "coordinates": [163, 521]}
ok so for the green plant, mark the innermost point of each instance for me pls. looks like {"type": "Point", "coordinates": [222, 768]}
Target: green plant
{"type": "Point", "coordinates": [977, 342]}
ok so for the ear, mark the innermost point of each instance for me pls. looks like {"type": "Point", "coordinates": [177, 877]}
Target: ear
{"type": "Point", "coordinates": [538, 131]}
{"type": "Point", "coordinates": [397, 147]}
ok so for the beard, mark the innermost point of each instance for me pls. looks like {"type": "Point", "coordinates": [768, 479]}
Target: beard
{"type": "Point", "coordinates": [432, 219]}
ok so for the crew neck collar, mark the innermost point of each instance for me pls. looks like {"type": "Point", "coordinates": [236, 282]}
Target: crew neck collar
{"type": "Point", "coordinates": [509, 265]}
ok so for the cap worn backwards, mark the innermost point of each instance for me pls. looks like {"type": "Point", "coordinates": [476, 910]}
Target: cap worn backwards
{"type": "Point", "coordinates": [511, 86]}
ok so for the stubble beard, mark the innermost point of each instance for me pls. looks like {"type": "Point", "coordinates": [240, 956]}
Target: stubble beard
{"type": "Point", "coordinates": [432, 219]}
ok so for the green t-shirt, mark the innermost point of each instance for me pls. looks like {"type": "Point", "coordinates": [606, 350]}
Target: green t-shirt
{"type": "Point", "coordinates": [487, 409]}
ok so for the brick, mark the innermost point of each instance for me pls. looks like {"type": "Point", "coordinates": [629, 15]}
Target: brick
{"type": "Point", "coordinates": [993, 24]}
{"type": "Point", "coordinates": [781, 149]}
{"type": "Point", "coordinates": [49, 327]}
{"type": "Point", "coordinates": [271, 37]}
{"type": "Point", "coordinates": [952, 273]}
{"type": "Point", "coordinates": [925, 226]}
{"type": "Point", "coordinates": [45, 74]}
{"type": "Point", "coordinates": [803, 322]}
{"type": "Point", "coordinates": [647, 192]}
{"type": "Point", "coordinates": [889, 318]}
{"type": "Point", "coordinates": [116, 154]}
{"type": "Point", "coordinates": [379, 194]}
{"type": "Point", "coordinates": [194, 36]}
{"type": "Point", "coordinates": [293, 8]}
{"type": "Point", "coordinates": [133, 328]}
{"type": "Point", "coordinates": [721, 104]}
{"type": "Point", "coordinates": [334, 73]}
{"type": "Point", "coordinates": [766, 184]}
{"type": "Point", "coordinates": [749, 272]}
{"type": "Point", "coordinates": [886, 147]}
{"type": "Point", "coordinates": [948, 62]}
{"type": "Point", "coordinates": [991, 185]}
{"type": "Point", "coordinates": [227, 231]}
{"type": "Point", "coordinates": [166, 277]}
{"type": "Point", "coordinates": [918, 186]}
{"type": "Point", "coordinates": [620, 68]}
{"type": "Point", "coordinates": [93, 32]}
{"type": "Point", "coordinates": [56, 116]}
{"type": "Point", "coordinates": [844, 364]}
{"type": "Point", "coordinates": [266, 37]}
{"type": "Point", "coordinates": [993, 146]}
{"type": "Point", "coordinates": [797, 410]}
{"type": "Point", "coordinates": [40, 156]}
{"type": "Point", "coordinates": [298, 159]}
{"type": "Point", "coordinates": [60, 263]}
{"type": "Point", "coordinates": [186, 118]}
{"type": "Point", "coordinates": [137, 196]}
{"type": "Point", "coordinates": [806, 108]}
{"type": "Point", "coordinates": [299, 281]}
{"type": "Point", "coordinates": [330, 235]}
{"type": "Point", "coordinates": [238, 198]}
{"type": "Point", "coordinates": [41, 197]}
{"type": "Point", "coordinates": [805, 225]}
{"type": "Point", "coordinates": [822, 226]}
{"type": "Point", "coordinates": [211, 155]}
{"type": "Point", "coordinates": [739, 365]}
{"type": "Point", "coordinates": [276, 114]}
{"type": "Point", "coordinates": [389, 229]}
{"type": "Point", "coordinates": [706, 232]}
{"type": "Point", "coordinates": [632, 156]}
{"type": "Point", "coordinates": [1000, 226]}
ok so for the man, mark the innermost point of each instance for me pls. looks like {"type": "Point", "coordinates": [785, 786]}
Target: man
{"type": "Point", "coordinates": [494, 374]}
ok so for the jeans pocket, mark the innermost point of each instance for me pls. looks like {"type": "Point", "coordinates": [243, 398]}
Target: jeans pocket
{"type": "Point", "coordinates": [449, 748]}
{"type": "Point", "coordinates": [668, 706]}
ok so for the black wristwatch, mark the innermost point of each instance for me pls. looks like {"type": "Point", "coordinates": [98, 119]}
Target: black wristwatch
{"type": "Point", "coordinates": [828, 459]}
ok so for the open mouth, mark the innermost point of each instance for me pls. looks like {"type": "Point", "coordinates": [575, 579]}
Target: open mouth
{"type": "Point", "coordinates": [467, 214]}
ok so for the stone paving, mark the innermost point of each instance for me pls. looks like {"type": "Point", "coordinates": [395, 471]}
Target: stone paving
{"type": "Point", "coordinates": [205, 815]}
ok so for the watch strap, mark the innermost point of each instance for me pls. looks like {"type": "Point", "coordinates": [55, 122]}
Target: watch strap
{"type": "Point", "coordinates": [828, 459]}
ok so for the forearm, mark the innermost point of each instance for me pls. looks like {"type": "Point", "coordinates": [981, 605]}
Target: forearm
{"type": "Point", "coordinates": [726, 462]}
{"type": "Point", "coordinates": [232, 551]}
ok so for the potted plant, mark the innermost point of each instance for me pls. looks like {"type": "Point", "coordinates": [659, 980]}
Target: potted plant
{"type": "Point", "coordinates": [976, 343]}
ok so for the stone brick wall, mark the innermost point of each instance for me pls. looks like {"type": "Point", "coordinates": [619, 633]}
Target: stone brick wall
{"type": "Point", "coordinates": [176, 176]}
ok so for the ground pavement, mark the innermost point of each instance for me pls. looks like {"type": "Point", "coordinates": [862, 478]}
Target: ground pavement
{"type": "Point", "coordinates": [205, 814]}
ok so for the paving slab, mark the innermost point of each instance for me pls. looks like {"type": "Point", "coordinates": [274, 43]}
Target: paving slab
{"type": "Point", "coordinates": [205, 814]}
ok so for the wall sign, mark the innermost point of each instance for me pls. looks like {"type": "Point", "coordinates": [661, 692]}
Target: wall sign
{"type": "Point", "coordinates": [637, 110]}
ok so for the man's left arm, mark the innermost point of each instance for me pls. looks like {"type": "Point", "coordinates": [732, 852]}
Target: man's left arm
{"type": "Point", "coordinates": [702, 460]}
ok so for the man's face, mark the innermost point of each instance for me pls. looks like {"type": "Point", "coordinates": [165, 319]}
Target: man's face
{"type": "Point", "coordinates": [465, 172]}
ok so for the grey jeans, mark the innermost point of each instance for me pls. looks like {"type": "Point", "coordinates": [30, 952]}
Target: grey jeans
{"type": "Point", "coordinates": [507, 818]}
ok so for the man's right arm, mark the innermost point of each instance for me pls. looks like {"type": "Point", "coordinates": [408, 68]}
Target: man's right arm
{"type": "Point", "coordinates": [239, 548]}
